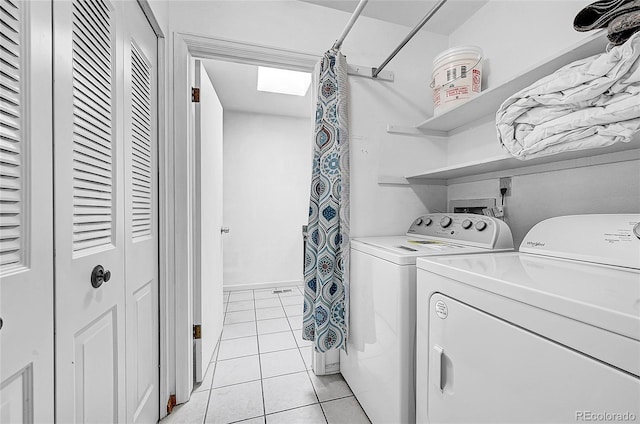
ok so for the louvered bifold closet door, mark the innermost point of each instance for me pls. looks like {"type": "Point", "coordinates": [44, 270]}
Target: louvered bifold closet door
{"type": "Point", "coordinates": [89, 218]}
{"type": "Point", "coordinates": [141, 263]}
{"type": "Point", "coordinates": [26, 208]}
{"type": "Point", "coordinates": [92, 125]}
{"type": "Point", "coordinates": [12, 189]}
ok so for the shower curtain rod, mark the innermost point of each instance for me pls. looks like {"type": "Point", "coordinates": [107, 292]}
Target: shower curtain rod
{"type": "Point", "coordinates": [352, 20]}
{"type": "Point", "coordinates": [413, 32]}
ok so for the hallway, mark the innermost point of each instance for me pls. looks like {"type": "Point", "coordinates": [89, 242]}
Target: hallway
{"type": "Point", "coordinates": [261, 370]}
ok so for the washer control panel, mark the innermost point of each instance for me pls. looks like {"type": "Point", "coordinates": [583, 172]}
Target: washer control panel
{"type": "Point", "coordinates": [464, 228]}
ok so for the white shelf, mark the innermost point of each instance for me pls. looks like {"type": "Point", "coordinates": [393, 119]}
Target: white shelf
{"type": "Point", "coordinates": [488, 102]}
{"type": "Point", "coordinates": [508, 166]}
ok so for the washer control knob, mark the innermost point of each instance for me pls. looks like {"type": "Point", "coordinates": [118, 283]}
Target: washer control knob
{"type": "Point", "coordinates": [428, 221]}
{"type": "Point", "coordinates": [445, 222]}
{"type": "Point", "coordinates": [466, 224]}
{"type": "Point", "coordinates": [481, 225]}
{"type": "Point", "coordinates": [419, 221]}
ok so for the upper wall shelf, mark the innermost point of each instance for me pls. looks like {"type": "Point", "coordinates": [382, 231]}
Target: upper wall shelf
{"type": "Point", "coordinates": [488, 102]}
{"type": "Point", "coordinates": [500, 166]}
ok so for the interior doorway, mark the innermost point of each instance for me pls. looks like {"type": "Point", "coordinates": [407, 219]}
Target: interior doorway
{"type": "Point", "coordinates": [181, 208]}
{"type": "Point", "coordinates": [261, 142]}
{"type": "Point", "coordinates": [267, 158]}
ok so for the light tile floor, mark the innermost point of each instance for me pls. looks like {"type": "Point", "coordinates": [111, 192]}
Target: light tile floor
{"type": "Point", "coordinates": [261, 370]}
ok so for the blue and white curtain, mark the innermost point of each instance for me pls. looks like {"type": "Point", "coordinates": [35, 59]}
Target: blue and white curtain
{"type": "Point", "coordinates": [326, 268]}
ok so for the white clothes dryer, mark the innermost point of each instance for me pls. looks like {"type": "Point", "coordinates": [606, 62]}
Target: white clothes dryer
{"type": "Point", "coordinates": [550, 334]}
{"type": "Point", "coordinates": [379, 362]}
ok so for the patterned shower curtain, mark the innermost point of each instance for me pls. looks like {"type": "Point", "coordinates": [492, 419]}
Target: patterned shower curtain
{"type": "Point", "coordinates": [326, 268]}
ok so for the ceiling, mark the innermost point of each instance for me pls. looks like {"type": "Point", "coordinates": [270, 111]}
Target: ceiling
{"type": "Point", "coordinates": [236, 83]}
{"type": "Point", "coordinates": [409, 12]}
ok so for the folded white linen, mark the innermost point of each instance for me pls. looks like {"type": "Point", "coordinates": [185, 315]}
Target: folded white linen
{"type": "Point", "coordinates": [593, 102]}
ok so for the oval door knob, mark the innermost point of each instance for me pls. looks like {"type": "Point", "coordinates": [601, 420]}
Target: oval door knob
{"type": "Point", "coordinates": [99, 276]}
{"type": "Point", "coordinates": [224, 230]}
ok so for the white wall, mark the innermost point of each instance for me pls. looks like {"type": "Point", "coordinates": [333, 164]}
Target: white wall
{"type": "Point", "coordinates": [610, 188]}
{"type": "Point", "coordinates": [518, 34]}
{"type": "Point", "coordinates": [523, 34]}
{"type": "Point", "coordinates": [295, 25]}
{"type": "Point", "coordinates": [267, 177]}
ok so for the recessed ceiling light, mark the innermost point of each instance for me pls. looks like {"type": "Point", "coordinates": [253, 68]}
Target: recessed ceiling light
{"type": "Point", "coordinates": [283, 81]}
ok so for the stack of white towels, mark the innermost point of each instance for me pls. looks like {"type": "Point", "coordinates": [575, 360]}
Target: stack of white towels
{"type": "Point", "coordinates": [590, 103]}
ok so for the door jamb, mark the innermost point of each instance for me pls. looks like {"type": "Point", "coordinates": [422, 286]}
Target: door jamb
{"type": "Point", "coordinates": [179, 212]}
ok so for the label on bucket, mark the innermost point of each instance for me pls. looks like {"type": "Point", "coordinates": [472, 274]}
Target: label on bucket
{"type": "Point", "coordinates": [455, 82]}
{"type": "Point", "coordinates": [476, 81]}
{"type": "Point", "coordinates": [456, 92]}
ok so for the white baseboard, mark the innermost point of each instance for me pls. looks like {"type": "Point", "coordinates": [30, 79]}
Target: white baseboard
{"type": "Point", "coordinates": [258, 286]}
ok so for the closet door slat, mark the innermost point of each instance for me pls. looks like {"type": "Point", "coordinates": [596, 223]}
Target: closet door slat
{"type": "Point", "coordinates": [93, 131]}
{"type": "Point", "coordinates": [140, 143]}
{"type": "Point", "coordinates": [13, 149]}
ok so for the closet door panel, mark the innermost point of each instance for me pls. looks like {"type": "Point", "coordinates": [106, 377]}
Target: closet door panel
{"type": "Point", "coordinates": [26, 235]}
{"type": "Point", "coordinates": [89, 218]}
{"type": "Point", "coordinates": [141, 235]}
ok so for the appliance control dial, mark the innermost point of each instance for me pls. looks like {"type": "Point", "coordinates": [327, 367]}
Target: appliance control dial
{"type": "Point", "coordinates": [481, 225]}
{"type": "Point", "coordinates": [428, 221]}
{"type": "Point", "coordinates": [466, 224]}
{"type": "Point", "coordinates": [445, 222]}
{"type": "Point", "coordinates": [419, 221]}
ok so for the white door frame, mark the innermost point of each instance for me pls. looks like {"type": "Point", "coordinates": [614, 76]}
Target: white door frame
{"type": "Point", "coordinates": [176, 341]}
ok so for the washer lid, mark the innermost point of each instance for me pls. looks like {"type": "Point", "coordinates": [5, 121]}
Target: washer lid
{"type": "Point", "coordinates": [600, 295]}
{"type": "Point", "coordinates": [403, 250]}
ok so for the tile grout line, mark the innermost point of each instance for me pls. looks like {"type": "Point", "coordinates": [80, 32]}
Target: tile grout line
{"type": "Point", "coordinates": [267, 378]}
{"type": "Point", "coordinates": [243, 382]}
{"type": "Point", "coordinates": [264, 407]}
{"type": "Point", "coordinates": [315, 392]}
{"type": "Point", "coordinates": [297, 346]}
{"type": "Point", "coordinates": [215, 361]}
{"type": "Point", "coordinates": [268, 319]}
{"type": "Point", "coordinates": [264, 415]}
{"type": "Point", "coordinates": [257, 354]}
{"type": "Point", "coordinates": [309, 404]}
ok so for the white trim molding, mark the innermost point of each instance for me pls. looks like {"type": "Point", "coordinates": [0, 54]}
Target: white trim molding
{"type": "Point", "coordinates": [262, 286]}
{"type": "Point", "coordinates": [148, 13]}
{"type": "Point", "coordinates": [247, 53]}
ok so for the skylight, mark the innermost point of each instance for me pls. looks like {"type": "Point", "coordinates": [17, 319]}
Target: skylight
{"type": "Point", "coordinates": [283, 81]}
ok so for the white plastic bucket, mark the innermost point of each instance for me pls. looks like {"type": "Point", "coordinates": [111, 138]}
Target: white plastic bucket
{"type": "Point", "coordinates": [457, 76]}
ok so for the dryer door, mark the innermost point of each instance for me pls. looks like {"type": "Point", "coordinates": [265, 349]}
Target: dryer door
{"type": "Point", "coordinates": [484, 369]}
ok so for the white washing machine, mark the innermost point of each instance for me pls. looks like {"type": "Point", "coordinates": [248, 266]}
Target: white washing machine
{"type": "Point", "coordinates": [380, 357]}
{"type": "Point", "coordinates": [550, 334]}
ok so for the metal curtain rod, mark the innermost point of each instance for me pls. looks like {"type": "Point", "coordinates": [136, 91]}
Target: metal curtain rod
{"type": "Point", "coordinates": [413, 32]}
{"type": "Point", "coordinates": [352, 20]}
